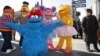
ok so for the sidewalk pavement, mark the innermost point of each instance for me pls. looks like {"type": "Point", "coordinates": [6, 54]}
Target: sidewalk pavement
{"type": "Point", "coordinates": [79, 49]}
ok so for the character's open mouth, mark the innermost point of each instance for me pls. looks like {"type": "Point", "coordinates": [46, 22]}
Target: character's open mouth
{"type": "Point", "coordinates": [34, 21]}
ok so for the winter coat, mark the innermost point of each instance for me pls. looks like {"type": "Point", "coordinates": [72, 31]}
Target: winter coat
{"type": "Point", "coordinates": [90, 26]}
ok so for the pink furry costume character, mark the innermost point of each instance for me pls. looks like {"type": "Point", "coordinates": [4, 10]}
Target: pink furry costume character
{"type": "Point", "coordinates": [48, 13]}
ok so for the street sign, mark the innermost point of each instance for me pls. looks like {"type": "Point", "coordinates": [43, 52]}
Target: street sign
{"type": "Point", "coordinates": [75, 2]}
{"type": "Point", "coordinates": [82, 1]}
{"type": "Point", "coordinates": [79, 3]}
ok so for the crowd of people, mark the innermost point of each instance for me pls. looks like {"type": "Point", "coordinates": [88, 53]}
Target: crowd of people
{"type": "Point", "coordinates": [90, 26]}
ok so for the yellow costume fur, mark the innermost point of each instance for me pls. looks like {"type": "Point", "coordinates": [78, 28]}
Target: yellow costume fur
{"type": "Point", "coordinates": [65, 12]}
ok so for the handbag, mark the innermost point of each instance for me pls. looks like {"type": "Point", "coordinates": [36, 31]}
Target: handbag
{"type": "Point", "coordinates": [98, 33]}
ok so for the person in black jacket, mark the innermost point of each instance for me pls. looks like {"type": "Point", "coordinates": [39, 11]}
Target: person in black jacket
{"type": "Point", "coordinates": [90, 26]}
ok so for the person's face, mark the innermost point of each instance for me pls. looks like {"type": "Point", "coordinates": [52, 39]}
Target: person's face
{"type": "Point", "coordinates": [88, 13]}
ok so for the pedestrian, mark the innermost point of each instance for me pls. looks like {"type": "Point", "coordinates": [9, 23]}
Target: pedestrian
{"type": "Point", "coordinates": [8, 16]}
{"type": "Point", "coordinates": [90, 26]}
{"type": "Point", "coordinates": [77, 25]}
{"type": "Point", "coordinates": [21, 17]}
{"type": "Point", "coordinates": [99, 28]}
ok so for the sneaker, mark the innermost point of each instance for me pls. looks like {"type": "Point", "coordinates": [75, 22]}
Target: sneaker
{"type": "Point", "coordinates": [7, 51]}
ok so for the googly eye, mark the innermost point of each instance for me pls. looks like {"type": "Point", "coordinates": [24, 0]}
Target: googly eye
{"type": "Point", "coordinates": [32, 16]}
{"type": "Point", "coordinates": [36, 16]}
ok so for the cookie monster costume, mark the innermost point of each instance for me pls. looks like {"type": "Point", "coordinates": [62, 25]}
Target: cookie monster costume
{"type": "Point", "coordinates": [35, 35]}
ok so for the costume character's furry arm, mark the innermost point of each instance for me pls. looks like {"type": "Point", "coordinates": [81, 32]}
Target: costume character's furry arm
{"type": "Point", "coordinates": [14, 26]}
{"type": "Point", "coordinates": [54, 25]}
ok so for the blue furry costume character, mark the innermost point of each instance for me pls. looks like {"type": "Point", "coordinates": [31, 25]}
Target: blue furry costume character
{"type": "Point", "coordinates": [35, 35]}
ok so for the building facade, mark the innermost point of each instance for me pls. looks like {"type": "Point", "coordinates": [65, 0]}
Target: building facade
{"type": "Point", "coordinates": [96, 7]}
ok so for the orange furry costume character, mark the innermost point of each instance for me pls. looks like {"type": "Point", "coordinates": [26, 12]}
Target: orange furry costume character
{"type": "Point", "coordinates": [8, 16]}
{"type": "Point", "coordinates": [66, 31]}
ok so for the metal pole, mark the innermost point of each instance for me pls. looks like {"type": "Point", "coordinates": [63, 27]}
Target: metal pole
{"type": "Point", "coordinates": [74, 10]}
{"type": "Point", "coordinates": [41, 2]}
